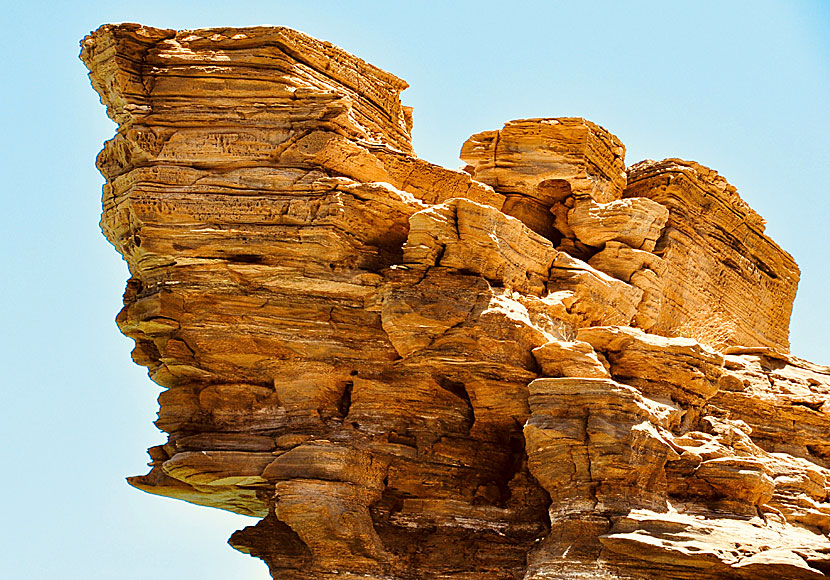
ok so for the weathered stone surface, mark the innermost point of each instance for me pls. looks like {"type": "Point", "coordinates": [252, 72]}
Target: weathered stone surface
{"type": "Point", "coordinates": [542, 164]}
{"type": "Point", "coordinates": [571, 359]}
{"type": "Point", "coordinates": [622, 261]}
{"type": "Point", "coordinates": [527, 370]}
{"type": "Point", "coordinates": [676, 368]}
{"type": "Point", "coordinates": [591, 296]}
{"type": "Point", "coordinates": [464, 235]}
{"type": "Point", "coordinates": [790, 401]}
{"type": "Point", "coordinates": [642, 270]}
{"type": "Point", "coordinates": [725, 281]}
{"type": "Point", "coordinates": [549, 159]}
{"type": "Point", "coordinates": [636, 222]}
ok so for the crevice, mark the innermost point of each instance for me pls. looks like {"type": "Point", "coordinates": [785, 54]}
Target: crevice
{"type": "Point", "coordinates": [345, 403]}
{"type": "Point", "coordinates": [405, 439]}
{"type": "Point", "coordinates": [812, 405]}
{"type": "Point", "coordinates": [245, 258]}
{"type": "Point", "coordinates": [459, 390]}
{"type": "Point", "coordinates": [592, 484]}
{"type": "Point", "coordinates": [516, 461]}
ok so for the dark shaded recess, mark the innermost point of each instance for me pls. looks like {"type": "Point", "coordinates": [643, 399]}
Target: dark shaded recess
{"type": "Point", "coordinates": [502, 555]}
{"type": "Point", "coordinates": [458, 389]}
{"type": "Point", "coordinates": [402, 439]}
{"type": "Point", "coordinates": [503, 479]}
{"type": "Point", "coordinates": [467, 272]}
{"type": "Point", "coordinates": [731, 265]}
{"type": "Point", "coordinates": [377, 259]}
{"type": "Point", "coordinates": [388, 248]}
{"type": "Point", "coordinates": [137, 289]}
{"type": "Point", "coordinates": [578, 250]}
{"type": "Point", "coordinates": [819, 451]}
{"type": "Point", "coordinates": [384, 258]}
{"type": "Point", "coordinates": [485, 552]}
{"type": "Point", "coordinates": [535, 211]}
{"type": "Point", "coordinates": [277, 545]}
{"type": "Point", "coordinates": [221, 441]}
{"type": "Point", "coordinates": [812, 405]}
{"type": "Point", "coordinates": [345, 402]}
{"type": "Point", "coordinates": [822, 566]}
{"type": "Point", "coordinates": [481, 551]}
{"type": "Point", "coordinates": [532, 364]}
{"type": "Point", "coordinates": [769, 363]}
{"type": "Point", "coordinates": [532, 213]}
{"type": "Point", "coordinates": [233, 258]}
{"type": "Point", "coordinates": [440, 255]}
{"type": "Point", "coordinates": [663, 241]}
{"type": "Point", "coordinates": [245, 258]}
{"type": "Point", "coordinates": [145, 353]}
{"type": "Point", "coordinates": [338, 409]}
{"type": "Point", "coordinates": [763, 267]}
{"type": "Point", "coordinates": [132, 290]}
{"type": "Point", "coordinates": [515, 461]}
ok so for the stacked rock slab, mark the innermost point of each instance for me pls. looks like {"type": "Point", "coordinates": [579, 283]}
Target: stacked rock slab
{"type": "Point", "coordinates": [699, 254]}
{"type": "Point", "coordinates": [723, 275]}
{"type": "Point", "coordinates": [411, 372]}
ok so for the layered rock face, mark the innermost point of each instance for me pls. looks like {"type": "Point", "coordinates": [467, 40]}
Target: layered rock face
{"type": "Point", "coordinates": [544, 366]}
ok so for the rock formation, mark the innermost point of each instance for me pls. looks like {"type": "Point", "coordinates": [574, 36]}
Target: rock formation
{"type": "Point", "coordinates": [546, 365]}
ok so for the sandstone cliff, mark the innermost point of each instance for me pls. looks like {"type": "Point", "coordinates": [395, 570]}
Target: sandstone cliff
{"type": "Point", "coordinates": [547, 365]}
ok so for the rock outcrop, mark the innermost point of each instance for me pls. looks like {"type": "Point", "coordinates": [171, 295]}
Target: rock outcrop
{"type": "Point", "coordinates": [544, 366]}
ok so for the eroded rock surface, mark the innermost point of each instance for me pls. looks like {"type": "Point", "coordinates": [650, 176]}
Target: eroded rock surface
{"type": "Point", "coordinates": [544, 366]}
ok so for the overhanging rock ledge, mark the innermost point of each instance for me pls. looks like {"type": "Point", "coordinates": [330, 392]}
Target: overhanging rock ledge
{"type": "Point", "coordinates": [546, 365]}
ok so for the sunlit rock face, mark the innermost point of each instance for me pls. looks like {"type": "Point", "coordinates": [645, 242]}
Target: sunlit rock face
{"type": "Point", "coordinates": [543, 366]}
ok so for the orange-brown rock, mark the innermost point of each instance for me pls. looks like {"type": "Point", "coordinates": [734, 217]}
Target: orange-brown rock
{"type": "Point", "coordinates": [541, 367]}
{"type": "Point", "coordinates": [724, 279]}
{"type": "Point", "coordinates": [549, 159]}
{"type": "Point", "coordinates": [636, 222]}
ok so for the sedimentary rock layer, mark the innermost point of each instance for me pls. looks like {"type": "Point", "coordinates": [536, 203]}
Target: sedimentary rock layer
{"type": "Point", "coordinates": [411, 372]}
{"type": "Point", "coordinates": [722, 274]}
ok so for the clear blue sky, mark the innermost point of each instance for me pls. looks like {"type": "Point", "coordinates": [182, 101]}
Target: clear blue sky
{"type": "Point", "coordinates": [741, 86]}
